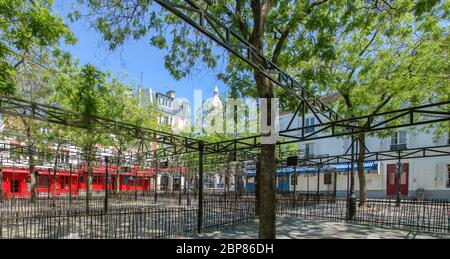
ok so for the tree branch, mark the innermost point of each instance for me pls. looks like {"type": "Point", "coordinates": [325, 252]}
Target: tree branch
{"type": "Point", "coordinates": [291, 25]}
{"type": "Point", "coordinates": [235, 16]}
{"type": "Point", "coordinates": [368, 44]}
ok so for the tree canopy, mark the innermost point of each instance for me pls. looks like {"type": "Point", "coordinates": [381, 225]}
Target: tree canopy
{"type": "Point", "coordinates": [27, 28]}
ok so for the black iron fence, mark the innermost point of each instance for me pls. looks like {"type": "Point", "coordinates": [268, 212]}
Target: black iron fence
{"type": "Point", "coordinates": [125, 218]}
{"type": "Point", "coordinates": [223, 210]}
{"type": "Point", "coordinates": [124, 223]}
{"type": "Point", "coordinates": [411, 215]}
{"type": "Point", "coordinates": [174, 215]}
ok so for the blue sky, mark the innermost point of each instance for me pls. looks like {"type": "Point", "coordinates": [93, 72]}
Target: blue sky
{"type": "Point", "coordinates": [133, 59]}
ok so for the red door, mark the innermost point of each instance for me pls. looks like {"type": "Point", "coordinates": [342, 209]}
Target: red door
{"type": "Point", "coordinates": [392, 180]}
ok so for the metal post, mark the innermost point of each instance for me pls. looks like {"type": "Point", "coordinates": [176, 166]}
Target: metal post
{"type": "Point", "coordinates": [257, 187]}
{"type": "Point", "coordinates": [399, 171]}
{"type": "Point", "coordinates": [351, 201]}
{"type": "Point", "coordinates": [70, 185]}
{"type": "Point", "coordinates": [1, 179]}
{"type": "Point", "coordinates": [318, 180]}
{"type": "Point", "coordinates": [106, 184]}
{"type": "Point", "coordinates": [135, 184]}
{"type": "Point", "coordinates": [307, 180]}
{"type": "Point", "coordinates": [179, 179]}
{"type": "Point", "coordinates": [348, 182]}
{"type": "Point", "coordinates": [200, 187]}
{"type": "Point", "coordinates": [48, 184]}
{"type": "Point", "coordinates": [335, 186]}
{"type": "Point", "coordinates": [295, 181]}
{"type": "Point", "coordinates": [187, 187]}
{"type": "Point", "coordinates": [155, 200]}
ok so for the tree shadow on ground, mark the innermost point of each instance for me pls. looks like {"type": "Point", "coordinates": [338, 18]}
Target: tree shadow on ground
{"type": "Point", "coordinates": [294, 228]}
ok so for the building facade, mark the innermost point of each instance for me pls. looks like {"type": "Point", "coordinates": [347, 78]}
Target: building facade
{"type": "Point", "coordinates": [174, 112]}
{"type": "Point", "coordinates": [429, 177]}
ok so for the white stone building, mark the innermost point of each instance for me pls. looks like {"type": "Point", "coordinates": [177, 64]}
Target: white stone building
{"type": "Point", "coordinates": [429, 175]}
{"type": "Point", "coordinates": [175, 112]}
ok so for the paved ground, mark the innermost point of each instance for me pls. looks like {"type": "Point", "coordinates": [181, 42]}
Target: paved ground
{"type": "Point", "coordinates": [292, 228]}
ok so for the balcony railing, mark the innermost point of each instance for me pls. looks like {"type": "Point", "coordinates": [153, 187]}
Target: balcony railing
{"type": "Point", "coordinates": [398, 147]}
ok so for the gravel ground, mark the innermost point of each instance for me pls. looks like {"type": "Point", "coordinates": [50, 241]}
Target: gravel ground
{"type": "Point", "coordinates": [293, 228]}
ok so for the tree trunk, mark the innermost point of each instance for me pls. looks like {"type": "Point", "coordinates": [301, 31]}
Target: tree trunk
{"type": "Point", "coordinates": [33, 177]}
{"type": "Point", "coordinates": [55, 168]}
{"type": "Point", "coordinates": [117, 179]}
{"type": "Point", "coordinates": [267, 212]}
{"type": "Point", "coordinates": [88, 185]}
{"type": "Point", "coordinates": [361, 174]}
{"type": "Point", "coordinates": [267, 176]}
{"type": "Point", "coordinates": [1, 181]}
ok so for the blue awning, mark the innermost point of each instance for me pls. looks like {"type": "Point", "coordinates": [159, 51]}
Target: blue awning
{"type": "Point", "coordinates": [341, 167]}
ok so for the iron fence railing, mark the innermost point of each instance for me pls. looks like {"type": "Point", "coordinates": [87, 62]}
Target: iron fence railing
{"type": "Point", "coordinates": [174, 215]}
{"type": "Point", "coordinates": [411, 215]}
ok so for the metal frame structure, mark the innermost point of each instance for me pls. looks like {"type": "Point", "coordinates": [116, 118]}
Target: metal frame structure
{"type": "Point", "coordinates": [196, 16]}
{"type": "Point", "coordinates": [330, 123]}
{"type": "Point", "coordinates": [32, 110]}
{"type": "Point", "coordinates": [410, 153]}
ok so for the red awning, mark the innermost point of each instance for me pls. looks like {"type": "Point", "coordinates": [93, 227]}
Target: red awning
{"type": "Point", "coordinates": [59, 173]}
{"type": "Point", "coordinates": [14, 170]}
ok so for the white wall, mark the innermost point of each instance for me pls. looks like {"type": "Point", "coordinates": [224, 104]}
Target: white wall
{"type": "Point", "coordinates": [422, 171]}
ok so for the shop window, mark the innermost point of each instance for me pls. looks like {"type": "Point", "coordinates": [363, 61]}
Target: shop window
{"type": "Point", "coordinates": [14, 188]}
{"type": "Point", "coordinates": [328, 178]}
{"type": "Point", "coordinates": [44, 181]}
{"type": "Point", "coordinates": [62, 182]}
{"type": "Point", "coordinates": [97, 179]}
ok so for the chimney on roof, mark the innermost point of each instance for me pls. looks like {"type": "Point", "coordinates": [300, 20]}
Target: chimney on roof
{"type": "Point", "coordinates": [171, 94]}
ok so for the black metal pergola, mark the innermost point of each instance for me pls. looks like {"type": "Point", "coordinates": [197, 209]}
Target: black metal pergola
{"type": "Point", "coordinates": [330, 124]}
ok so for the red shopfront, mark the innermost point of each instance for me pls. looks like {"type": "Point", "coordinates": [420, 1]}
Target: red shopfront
{"type": "Point", "coordinates": [16, 181]}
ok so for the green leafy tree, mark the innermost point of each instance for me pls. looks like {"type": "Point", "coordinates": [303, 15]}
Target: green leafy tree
{"type": "Point", "coordinates": [32, 85]}
{"type": "Point", "coordinates": [88, 95]}
{"type": "Point", "coordinates": [25, 27]}
{"type": "Point", "coordinates": [268, 25]}
{"type": "Point", "coordinates": [381, 56]}
{"type": "Point", "coordinates": [27, 30]}
{"type": "Point", "coordinates": [124, 107]}
{"type": "Point", "coordinates": [287, 32]}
